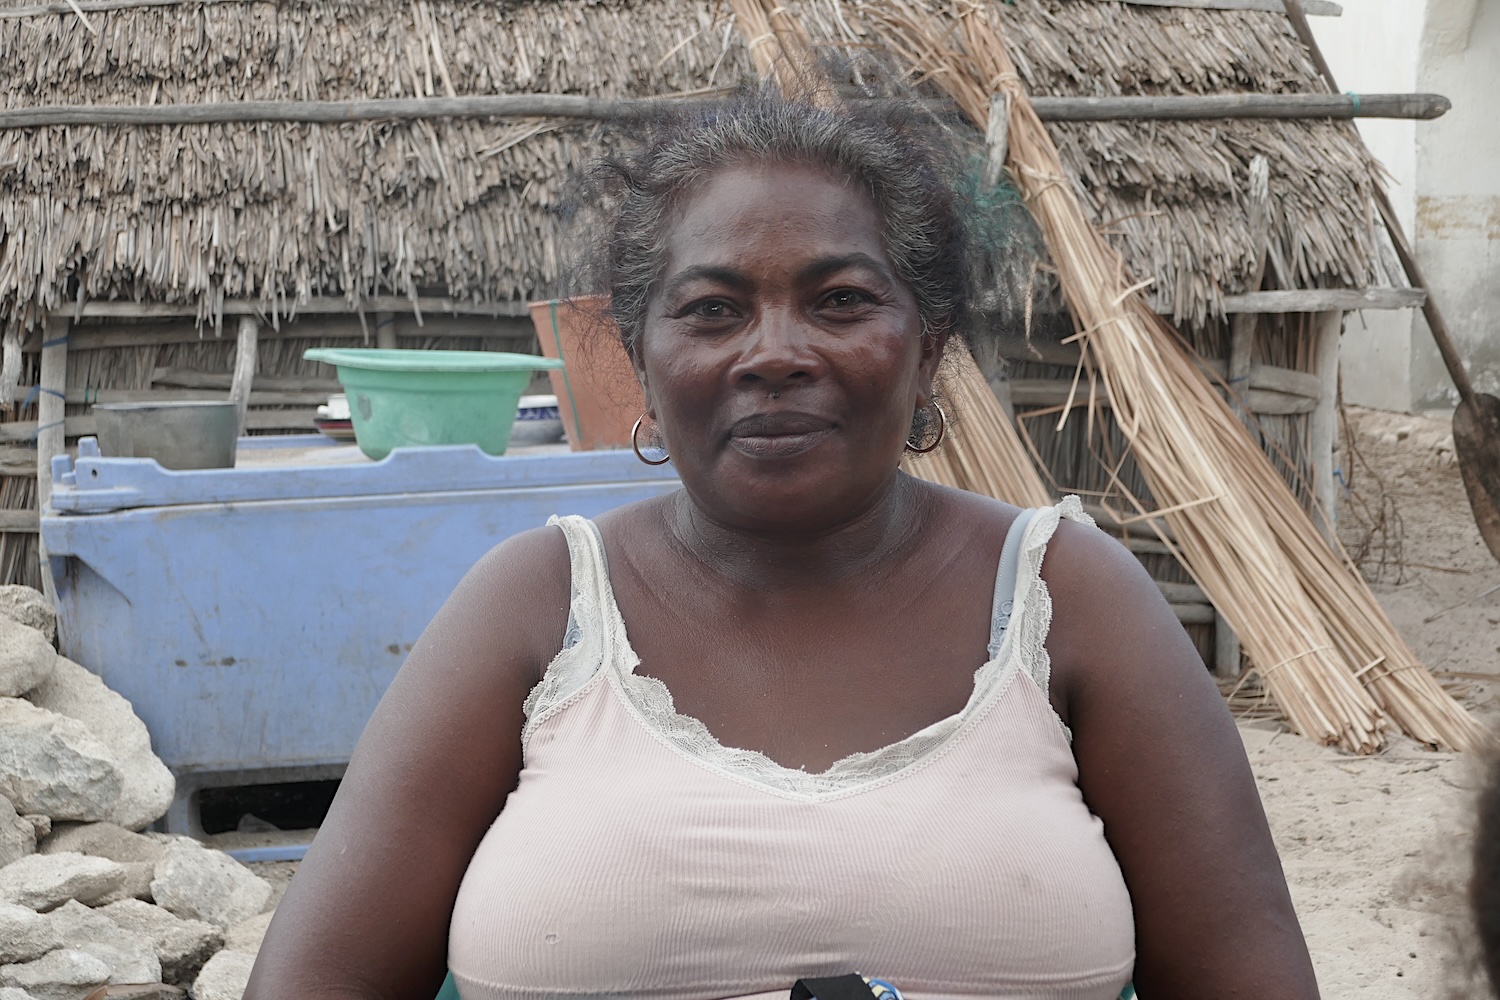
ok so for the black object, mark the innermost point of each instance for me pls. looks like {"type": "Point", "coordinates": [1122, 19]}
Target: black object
{"type": "Point", "coordinates": [850, 987]}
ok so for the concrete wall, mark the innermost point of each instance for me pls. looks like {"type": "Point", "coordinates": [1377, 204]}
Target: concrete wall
{"type": "Point", "coordinates": [1458, 195]}
{"type": "Point", "coordinates": [1445, 184]}
{"type": "Point", "coordinates": [1373, 49]}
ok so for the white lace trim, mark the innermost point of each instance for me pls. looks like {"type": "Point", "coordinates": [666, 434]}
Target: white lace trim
{"type": "Point", "coordinates": [603, 643]}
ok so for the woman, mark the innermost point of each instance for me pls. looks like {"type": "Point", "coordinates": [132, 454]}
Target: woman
{"type": "Point", "coordinates": [807, 715]}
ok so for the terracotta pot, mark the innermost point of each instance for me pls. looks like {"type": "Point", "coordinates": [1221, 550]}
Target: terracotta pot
{"type": "Point", "coordinates": [598, 396]}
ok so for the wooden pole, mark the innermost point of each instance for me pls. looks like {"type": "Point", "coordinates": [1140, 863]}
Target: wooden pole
{"type": "Point", "coordinates": [385, 331]}
{"type": "Point", "coordinates": [51, 439]}
{"type": "Point", "coordinates": [245, 350]}
{"type": "Point", "coordinates": [1242, 326]}
{"type": "Point", "coordinates": [1322, 426]}
{"type": "Point", "coordinates": [1061, 109]}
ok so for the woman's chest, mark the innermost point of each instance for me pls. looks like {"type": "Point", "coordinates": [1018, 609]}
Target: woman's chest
{"type": "Point", "coordinates": [623, 865]}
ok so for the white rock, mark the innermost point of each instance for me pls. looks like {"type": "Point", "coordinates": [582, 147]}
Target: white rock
{"type": "Point", "coordinates": [247, 935]}
{"type": "Point", "coordinates": [224, 977]}
{"type": "Point", "coordinates": [147, 787]}
{"type": "Point", "coordinates": [17, 835]}
{"type": "Point", "coordinates": [199, 884]}
{"type": "Point", "coordinates": [137, 884]}
{"type": "Point", "coordinates": [29, 607]}
{"type": "Point", "coordinates": [64, 974]}
{"type": "Point", "coordinates": [11, 993]}
{"type": "Point", "coordinates": [46, 881]}
{"type": "Point", "coordinates": [131, 956]}
{"type": "Point", "coordinates": [51, 764]}
{"type": "Point", "coordinates": [39, 823]}
{"type": "Point", "coordinates": [102, 840]}
{"type": "Point", "coordinates": [24, 934]}
{"type": "Point", "coordinates": [182, 946]}
{"type": "Point", "coordinates": [26, 658]}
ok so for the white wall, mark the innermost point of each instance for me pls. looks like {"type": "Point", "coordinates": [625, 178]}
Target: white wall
{"type": "Point", "coordinates": [1373, 49]}
{"type": "Point", "coordinates": [1445, 186]}
{"type": "Point", "coordinates": [1458, 195]}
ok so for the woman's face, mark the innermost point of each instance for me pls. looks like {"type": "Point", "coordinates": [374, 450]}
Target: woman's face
{"type": "Point", "coordinates": [782, 358]}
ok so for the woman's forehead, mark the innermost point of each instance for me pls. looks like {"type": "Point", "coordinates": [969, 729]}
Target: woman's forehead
{"type": "Point", "coordinates": [753, 214]}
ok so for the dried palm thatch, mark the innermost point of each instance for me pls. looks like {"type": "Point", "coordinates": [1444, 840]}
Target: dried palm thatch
{"type": "Point", "coordinates": [1307, 619]}
{"type": "Point", "coordinates": [469, 209]}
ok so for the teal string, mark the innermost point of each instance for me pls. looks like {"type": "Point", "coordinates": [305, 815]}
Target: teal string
{"type": "Point", "coordinates": [1353, 97]}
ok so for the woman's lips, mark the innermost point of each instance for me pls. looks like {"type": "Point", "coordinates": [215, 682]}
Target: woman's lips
{"type": "Point", "coordinates": [778, 435]}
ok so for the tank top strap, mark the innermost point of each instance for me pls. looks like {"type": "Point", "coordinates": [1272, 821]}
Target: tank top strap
{"type": "Point", "coordinates": [1022, 607]}
{"type": "Point", "coordinates": [594, 631]}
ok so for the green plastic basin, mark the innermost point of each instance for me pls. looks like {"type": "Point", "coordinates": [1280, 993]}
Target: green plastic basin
{"type": "Point", "coordinates": [403, 398]}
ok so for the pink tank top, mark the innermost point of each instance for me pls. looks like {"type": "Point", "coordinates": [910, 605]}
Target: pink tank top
{"type": "Point", "coordinates": [638, 857]}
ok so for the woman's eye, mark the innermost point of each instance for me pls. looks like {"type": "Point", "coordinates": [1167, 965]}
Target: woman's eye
{"type": "Point", "coordinates": [845, 298]}
{"type": "Point", "coordinates": [711, 309]}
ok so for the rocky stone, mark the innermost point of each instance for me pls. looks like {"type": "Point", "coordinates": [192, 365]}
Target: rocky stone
{"type": "Point", "coordinates": [131, 956]}
{"type": "Point", "coordinates": [102, 840]}
{"type": "Point", "coordinates": [224, 977]}
{"type": "Point", "coordinates": [24, 934]}
{"type": "Point", "coordinates": [11, 993]}
{"type": "Point", "coordinates": [182, 946]}
{"type": "Point", "coordinates": [46, 881]}
{"type": "Point", "coordinates": [39, 823]}
{"type": "Point", "coordinates": [64, 974]}
{"type": "Point", "coordinates": [52, 764]}
{"type": "Point", "coordinates": [147, 786]}
{"type": "Point", "coordinates": [17, 835]}
{"type": "Point", "coordinates": [29, 607]}
{"type": "Point", "coordinates": [247, 935]}
{"type": "Point", "coordinates": [26, 658]}
{"type": "Point", "coordinates": [199, 884]}
{"type": "Point", "coordinates": [137, 884]}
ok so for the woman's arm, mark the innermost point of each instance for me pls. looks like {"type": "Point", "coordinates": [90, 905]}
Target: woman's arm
{"type": "Point", "coordinates": [367, 914]}
{"type": "Point", "coordinates": [1161, 763]}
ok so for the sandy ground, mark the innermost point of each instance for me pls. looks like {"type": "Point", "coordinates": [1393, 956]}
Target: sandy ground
{"type": "Point", "coordinates": [1375, 848]}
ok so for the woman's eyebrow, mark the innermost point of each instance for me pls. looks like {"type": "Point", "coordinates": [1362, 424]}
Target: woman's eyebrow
{"type": "Point", "coordinates": [721, 275]}
{"type": "Point", "coordinates": [824, 266]}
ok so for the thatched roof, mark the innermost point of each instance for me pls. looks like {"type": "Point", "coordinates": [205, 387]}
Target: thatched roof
{"type": "Point", "coordinates": [467, 209]}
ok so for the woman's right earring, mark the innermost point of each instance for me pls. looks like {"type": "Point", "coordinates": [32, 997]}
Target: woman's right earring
{"type": "Point", "coordinates": [942, 430]}
{"type": "Point", "coordinates": [635, 444]}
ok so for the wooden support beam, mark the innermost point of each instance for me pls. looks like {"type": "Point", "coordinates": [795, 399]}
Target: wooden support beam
{"type": "Point", "coordinates": [191, 378]}
{"type": "Point", "coordinates": [385, 330]}
{"type": "Point", "coordinates": [49, 429]}
{"type": "Point", "coordinates": [1192, 107]}
{"type": "Point", "coordinates": [1038, 392]}
{"type": "Point", "coordinates": [1242, 326]}
{"type": "Point", "coordinates": [1226, 648]}
{"type": "Point", "coordinates": [1322, 426]}
{"type": "Point", "coordinates": [316, 306]}
{"type": "Point", "coordinates": [1322, 8]}
{"type": "Point", "coordinates": [518, 331]}
{"type": "Point", "coordinates": [1194, 614]}
{"type": "Point", "coordinates": [245, 350]}
{"type": "Point", "coordinates": [1173, 107]}
{"type": "Point", "coordinates": [1308, 300]}
{"type": "Point", "coordinates": [80, 426]}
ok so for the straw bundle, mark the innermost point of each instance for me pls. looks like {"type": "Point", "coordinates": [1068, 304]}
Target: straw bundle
{"type": "Point", "coordinates": [1305, 618]}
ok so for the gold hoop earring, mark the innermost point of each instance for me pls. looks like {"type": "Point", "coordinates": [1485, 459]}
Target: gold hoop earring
{"type": "Point", "coordinates": [942, 430]}
{"type": "Point", "coordinates": [635, 444]}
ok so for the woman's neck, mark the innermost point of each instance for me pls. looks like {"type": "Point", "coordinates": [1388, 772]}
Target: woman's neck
{"type": "Point", "coordinates": [803, 558]}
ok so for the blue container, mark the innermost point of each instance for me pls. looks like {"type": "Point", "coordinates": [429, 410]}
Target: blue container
{"type": "Point", "coordinates": [255, 616]}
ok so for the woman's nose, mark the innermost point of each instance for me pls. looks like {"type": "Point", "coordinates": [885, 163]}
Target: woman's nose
{"type": "Point", "coordinates": [778, 348]}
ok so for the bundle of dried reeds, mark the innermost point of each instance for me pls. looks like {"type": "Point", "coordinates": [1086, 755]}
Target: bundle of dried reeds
{"type": "Point", "coordinates": [1306, 619]}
